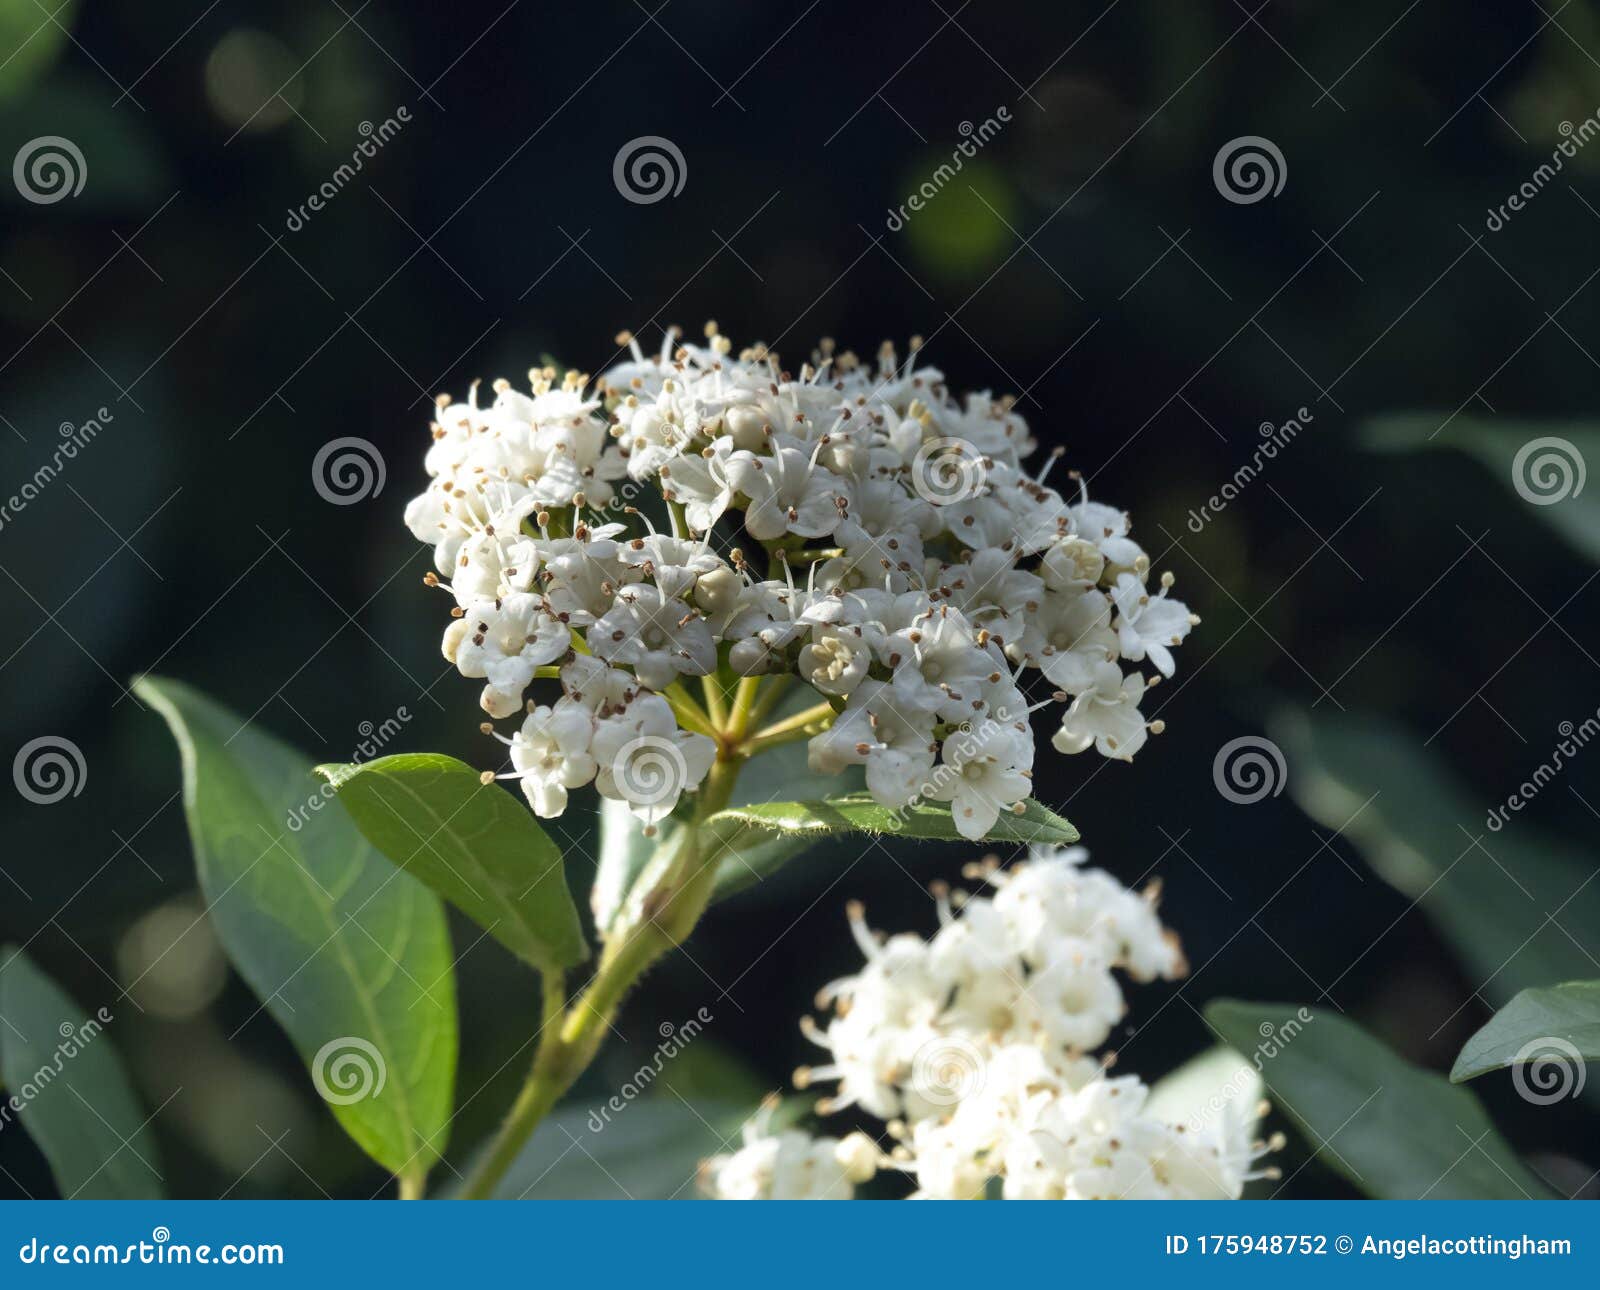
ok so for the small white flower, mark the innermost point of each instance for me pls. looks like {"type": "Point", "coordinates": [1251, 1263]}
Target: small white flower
{"type": "Point", "coordinates": [1149, 624]}
{"type": "Point", "coordinates": [551, 755]}
{"type": "Point", "coordinates": [659, 637]}
{"type": "Point", "coordinates": [645, 761]}
{"type": "Point", "coordinates": [789, 493]}
{"type": "Point", "coordinates": [1107, 528]}
{"type": "Point", "coordinates": [979, 787]}
{"type": "Point", "coordinates": [674, 564]}
{"type": "Point", "coordinates": [505, 642]}
{"type": "Point", "coordinates": [836, 659]}
{"type": "Point", "coordinates": [1071, 563]}
{"type": "Point", "coordinates": [994, 594]}
{"type": "Point", "coordinates": [1070, 638]}
{"type": "Point", "coordinates": [699, 481]}
{"type": "Point", "coordinates": [893, 742]}
{"type": "Point", "coordinates": [603, 689]}
{"type": "Point", "coordinates": [1106, 715]}
{"type": "Point", "coordinates": [939, 667]}
{"type": "Point", "coordinates": [580, 574]}
{"type": "Point", "coordinates": [789, 1165]}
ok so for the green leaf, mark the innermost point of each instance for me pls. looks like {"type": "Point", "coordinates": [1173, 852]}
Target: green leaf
{"type": "Point", "coordinates": [857, 812]}
{"type": "Point", "coordinates": [72, 1093]}
{"type": "Point", "coordinates": [647, 1149]}
{"type": "Point", "coordinates": [349, 954]}
{"type": "Point", "coordinates": [473, 843]}
{"type": "Point", "coordinates": [1552, 1023]}
{"type": "Point", "coordinates": [1519, 910]}
{"type": "Point", "coordinates": [1496, 444]}
{"type": "Point", "coordinates": [1397, 1132]}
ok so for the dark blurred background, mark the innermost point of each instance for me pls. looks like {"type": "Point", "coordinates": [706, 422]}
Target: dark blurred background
{"type": "Point", "coordinates": [1085, 259]}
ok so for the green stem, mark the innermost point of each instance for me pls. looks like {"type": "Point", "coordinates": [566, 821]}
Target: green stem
{"type": "Point", "coordinates": [787, 730]}
{"type": "Point", "coordinates": [716, 704]}
{"type": "Point", "coordinates": [570, 1038]}
{"type": "Point", "coordinates": [670, 913]}
{"type": "Point", "coordinates": [744, 699]}
{"type": "Point", "coordinates": [766, 743]}
{"type": "Point", "coordinates": [689, 713]}
{"type": "Point", "coordinates": [771, 692]}
{"type": "Point", "coordinates": [411, 1186]}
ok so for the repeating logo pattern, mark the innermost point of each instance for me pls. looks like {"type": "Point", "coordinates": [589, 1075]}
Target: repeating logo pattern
{"type": "Point", "coordinates": [648, 169]}
{"type": "Point", "coordinates": [48, 769]}
{"type": "Point", "coordinates": [651, 770]}
{"type": "Point", "coordinates": [947, 471]}
{"type": "Point", "coordinates": [347, 1070]}
{"type": "Point", "coordinates": [49, 169]}
{"type": "Point", "coordinates": [1548, 1069]}
{"type": "Point", "coordinates": [348, 470]}
{"type": "Point", "coordinates": [1248, 169]}
{"type": "Point", "coordinates": [1249, 769]}
{"type": "Point", "coordinates": [1548, 470]}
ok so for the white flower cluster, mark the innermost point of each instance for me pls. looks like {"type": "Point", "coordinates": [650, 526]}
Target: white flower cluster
{"type": "Point", "coordinates": [974, 1047]}
{"type": "Point", "coordinates": [786, 1164]}
{"type": "Point", "coordinates": [855, 527]}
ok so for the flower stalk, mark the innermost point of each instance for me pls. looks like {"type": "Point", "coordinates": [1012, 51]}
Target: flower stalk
{"type": "Point", "coordinates": [570, 1034]}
